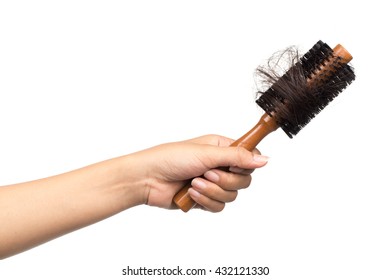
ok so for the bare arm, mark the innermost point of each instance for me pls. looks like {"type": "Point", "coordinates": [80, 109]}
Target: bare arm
{"type": "Point", "coordinates": [35, 212]}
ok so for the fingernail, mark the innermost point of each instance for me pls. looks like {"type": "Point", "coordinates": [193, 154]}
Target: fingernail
{"type": "Point", "coordinates": [198, 184]}
{"type": "Point", "coordinates": [212, 176]}
{"type": "Point", "coordinates": [260, 158]}
{"type": "Point", "coordinates": [193, 193]}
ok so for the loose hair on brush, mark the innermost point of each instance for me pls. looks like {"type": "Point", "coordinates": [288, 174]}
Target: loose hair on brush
{"type": "Point", "coordinates": [286, 91]}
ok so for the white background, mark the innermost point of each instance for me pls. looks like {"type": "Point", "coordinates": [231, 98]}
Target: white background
{"type": "Point", "coordinates": [84, 81]}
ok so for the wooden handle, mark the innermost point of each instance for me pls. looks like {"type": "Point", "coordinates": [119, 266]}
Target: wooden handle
{"type": "Point", "coordinates": [183, 200]}
{"type": "Point", "coordinates": [248, 141]}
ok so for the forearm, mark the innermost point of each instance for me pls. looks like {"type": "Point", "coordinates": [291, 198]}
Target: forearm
{"type": "Point", "coordinates": [34, 212]}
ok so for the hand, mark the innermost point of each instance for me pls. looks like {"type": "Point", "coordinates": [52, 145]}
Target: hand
{"type": "Point", "coordinates": [169, 167]}
{"type": "Point", "coordinates": [44, 211]}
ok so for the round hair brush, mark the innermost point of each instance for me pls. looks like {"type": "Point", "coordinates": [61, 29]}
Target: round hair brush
{"type": "Point", "coordinates": [293, 99]}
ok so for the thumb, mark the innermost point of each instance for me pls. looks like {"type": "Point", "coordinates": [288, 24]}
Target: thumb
{"type": "Point", "coordinates": [235, 157]}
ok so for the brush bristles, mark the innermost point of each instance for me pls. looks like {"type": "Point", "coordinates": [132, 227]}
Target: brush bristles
{"type": "Point", "coordinates": [297, 96]}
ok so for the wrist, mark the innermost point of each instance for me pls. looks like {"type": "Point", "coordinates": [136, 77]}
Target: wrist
{"type": "Point", "coordinates": [132, 184]}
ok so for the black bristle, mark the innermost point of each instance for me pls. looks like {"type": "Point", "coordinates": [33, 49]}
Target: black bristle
{"type": "Point", "coordinates": [314, 57]}
{"type": "Point", "coordinates": [291, 101]}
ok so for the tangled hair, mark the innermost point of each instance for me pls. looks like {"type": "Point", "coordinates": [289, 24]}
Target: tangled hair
{"type": "Point", "coordinates": [292, 91]}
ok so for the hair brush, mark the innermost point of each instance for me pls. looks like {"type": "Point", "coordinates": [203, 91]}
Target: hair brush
{"type": "Point", "coordinates": [294, 98]}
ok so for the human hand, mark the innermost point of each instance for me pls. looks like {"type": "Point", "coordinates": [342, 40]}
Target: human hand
{"type": "Point", "coordinates": [153, 176]}
{"type": "Point", "coordinates": [169, 167]}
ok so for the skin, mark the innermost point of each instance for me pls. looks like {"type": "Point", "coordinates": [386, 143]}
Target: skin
{"type": "Point", "coordinates": [35, 212]}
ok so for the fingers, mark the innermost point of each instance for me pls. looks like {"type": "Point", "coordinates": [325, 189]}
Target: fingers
{"type": "Point", "coordinates": [239, 170]}
{"type": "Point", "coordinates": [236, 169]}
{"type": "Point", "coordinates": [228, 181]}
{"type": "Point", "coordinates": [239, 159]}
{"type": "Point", "coordinates": [206, 202]}
{"type": "Point", "coordinates": [233, 157]}
{"type": "Point", "coordinates": [213, 191]}
{"type": "Point", "coordinates": [217, 188]}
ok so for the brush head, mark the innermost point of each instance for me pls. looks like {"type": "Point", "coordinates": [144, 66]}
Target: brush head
{"type": "Point", "coordinates": [307, 87]}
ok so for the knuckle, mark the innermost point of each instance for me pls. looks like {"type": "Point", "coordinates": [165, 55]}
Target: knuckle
{"type": "Point", "coordinates": [219, 208]}
{"type": "Point", "coordinates": [233, 196]}
{"type": "Point", "coordinates": [247, 182]}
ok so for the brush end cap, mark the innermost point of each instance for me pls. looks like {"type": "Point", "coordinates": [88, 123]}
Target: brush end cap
{"type": "Point", "coordinates": [341, 52]}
